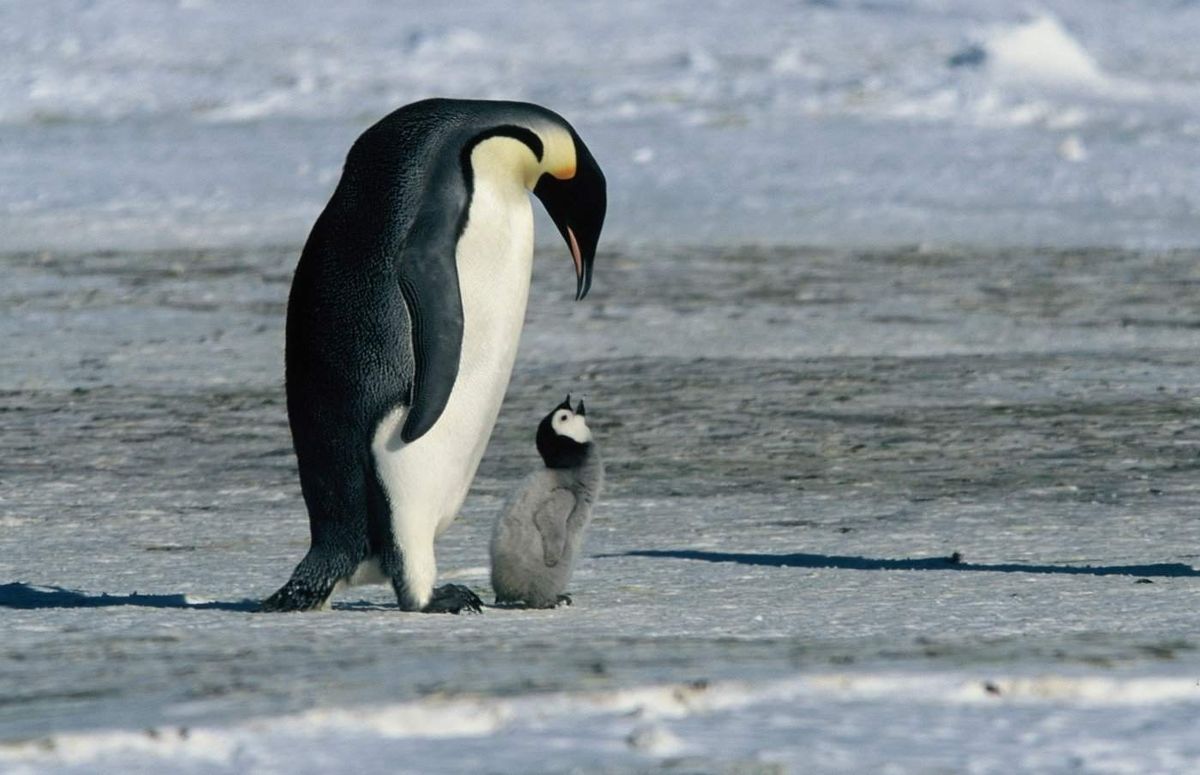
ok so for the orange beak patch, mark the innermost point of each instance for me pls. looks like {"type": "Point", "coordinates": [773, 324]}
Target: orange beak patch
{"type": "Point", "coordinates": [576, 256]}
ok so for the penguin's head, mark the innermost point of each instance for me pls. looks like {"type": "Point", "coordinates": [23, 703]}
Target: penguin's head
{"type": "Point", "coordinates": [563, 437]}
{"type": "Point", "coordinates": [573, 190]}
{"type": "Point", "coordinates": [530, 143]}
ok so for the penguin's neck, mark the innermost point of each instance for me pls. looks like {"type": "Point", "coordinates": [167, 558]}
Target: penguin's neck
{"type": "Point", "coordinates": [495, 262]}
{"type": "Point", "coordinates": [586, 478]}
{"type": "Point", "coordinates": [494, 258]}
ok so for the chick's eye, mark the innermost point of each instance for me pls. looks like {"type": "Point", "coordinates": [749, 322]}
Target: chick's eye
{"type": "Point", "coordinates": [562, 416]}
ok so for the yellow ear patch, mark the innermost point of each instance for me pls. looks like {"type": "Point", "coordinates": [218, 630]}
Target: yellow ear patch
{"type": "Point", "coordinates": [566, 172]}
{"type": "Point", "coordinates": [558, 157]}
{"type": "Point", "coordinates": [503, 155]}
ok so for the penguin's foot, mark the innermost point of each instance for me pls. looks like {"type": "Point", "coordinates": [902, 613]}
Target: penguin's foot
{"type": "Point", "coordinates": [296, 596]}
{"type": "Point", "coordinates": [517, 605]}
{"type": "Point", "coordinates": [313, 581]}
{"type": "Point", "coordinates": [453, 599]}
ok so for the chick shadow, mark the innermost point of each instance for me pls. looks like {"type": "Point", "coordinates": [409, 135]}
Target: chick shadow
{"type": "Point", "coordinates": [951, 563]}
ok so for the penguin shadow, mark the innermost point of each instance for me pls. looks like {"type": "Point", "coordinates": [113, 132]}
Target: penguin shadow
{"type": "Point", "coordinates": [19, 595]}
{"type": "Point", "coordinates": [30, 596]}
{"type": "Point", "coordinates": [951, 563]}
{"type": "Point", "coordinates": [22, 596]}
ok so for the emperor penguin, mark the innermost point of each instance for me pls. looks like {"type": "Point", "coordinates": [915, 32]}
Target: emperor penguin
{"type": "Point", "coordinates": [403, 322]}
{"type": "Point", "coordinates": [537, 537]}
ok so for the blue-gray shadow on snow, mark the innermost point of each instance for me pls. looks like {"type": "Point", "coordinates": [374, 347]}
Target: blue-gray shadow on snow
{"type": "Point", "coordinates": [30, 596]}
{"type": "Point", "coordinates": [35, 596]}
{"type": "Point", "coordinates": [1153, 570]}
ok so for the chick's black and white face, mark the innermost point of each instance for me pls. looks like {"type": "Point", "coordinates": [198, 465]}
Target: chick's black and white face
{"type": "Point", "coordinates": [563, 436]}
{"type": "Point", "coordinates": [571, 425]}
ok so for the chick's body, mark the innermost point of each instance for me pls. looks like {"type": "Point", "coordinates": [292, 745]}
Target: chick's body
{"type": "Point", "coordinates": [537, 538]}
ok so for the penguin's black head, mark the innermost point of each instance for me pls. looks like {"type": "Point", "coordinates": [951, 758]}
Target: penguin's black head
{"type": "Point", "coordinates": [577, 204]}
{"type": "Point", "coordinates": [563, 437]}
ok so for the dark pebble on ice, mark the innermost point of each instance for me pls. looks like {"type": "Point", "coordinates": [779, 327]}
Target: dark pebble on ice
{"type": "Point", "coordinates": [971, 56]}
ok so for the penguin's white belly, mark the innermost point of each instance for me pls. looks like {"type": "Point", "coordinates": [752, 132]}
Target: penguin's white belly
{"type": "Point", "coordinates": [426, 481]}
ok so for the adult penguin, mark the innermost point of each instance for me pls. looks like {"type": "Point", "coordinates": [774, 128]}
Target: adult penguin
{"type": "Point", "coordinates": [402, 327]}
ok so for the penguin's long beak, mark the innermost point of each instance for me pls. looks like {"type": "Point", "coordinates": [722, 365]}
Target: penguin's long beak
{"type": "Point", "coordinates": [577, 206]}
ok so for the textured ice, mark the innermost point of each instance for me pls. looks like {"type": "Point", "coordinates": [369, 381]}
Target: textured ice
{"type": "Point", "coordinates": [908, 508]}
{"type": "Point", "coordinates": [1035, 723]}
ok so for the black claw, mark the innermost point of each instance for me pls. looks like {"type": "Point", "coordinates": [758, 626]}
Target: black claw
{"type": "Point", "coordinates": [282, 604]}
{"type": "Point", "coordinates": [313, 581]}
{"type": "Point", "coordinates": [295, 597]}
{"type": "Point", "coordinates": [454, 599]}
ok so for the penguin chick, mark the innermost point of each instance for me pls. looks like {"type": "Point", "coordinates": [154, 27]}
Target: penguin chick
{"type": "Point", "coordinates": [537, 537]}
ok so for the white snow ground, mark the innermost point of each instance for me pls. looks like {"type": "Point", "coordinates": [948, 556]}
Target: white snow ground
{"type": "Point", "coordinates": [770, 583]}
{"type": "Point", "coordinates": [829, 122]}
{"type": "Point", "coordinates": [824, 722]}
{"type": "Point", "coordinates": [799, 440]}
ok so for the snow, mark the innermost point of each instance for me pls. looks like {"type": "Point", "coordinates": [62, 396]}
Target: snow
{"type": "Point", "coordinates": [176, 125]}
{"type": "Point", "coordinates": [1041, 50]}
{"type": "Point", "coordinates": [758, 724]}
{"type": "Point", "coordinates": [902, 466]}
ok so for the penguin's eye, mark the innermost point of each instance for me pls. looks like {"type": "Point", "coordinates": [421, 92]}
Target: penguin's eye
{"type": "Point", "coordinates": [562, 416]}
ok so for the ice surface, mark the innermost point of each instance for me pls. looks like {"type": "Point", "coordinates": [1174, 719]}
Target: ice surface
{"type": "Point", "coordinates": [1030, 724]}
{"type": "Point", "coordinates": [205, 124]}
{"type": "Point", "coordinates": [770, 580]}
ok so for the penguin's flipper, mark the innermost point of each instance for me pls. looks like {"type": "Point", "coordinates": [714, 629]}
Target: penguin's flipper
{"type": "Point", "coordinates": [429, 285]}
{"type": "Point", "coordinates": [551, 522]}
